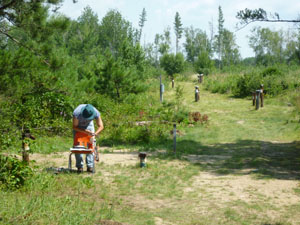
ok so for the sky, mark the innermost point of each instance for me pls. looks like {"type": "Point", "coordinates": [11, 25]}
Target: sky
{"type": "Point", "coordinates": [196, 13]}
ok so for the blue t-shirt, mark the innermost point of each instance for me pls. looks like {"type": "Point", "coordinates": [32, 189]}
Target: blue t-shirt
{"type": "Point", "coordinates": [83, 123]}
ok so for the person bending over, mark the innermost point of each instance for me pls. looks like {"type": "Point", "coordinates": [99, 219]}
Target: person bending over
{"type": "Point", "coordinates": [83, 117]}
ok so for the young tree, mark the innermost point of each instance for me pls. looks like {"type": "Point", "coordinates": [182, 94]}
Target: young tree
{"type": "Point", "coordinates": [219, 37]}
{"type": "Point", "coordinates": [267, 45]}
{"type": "Point", "coordinates": [172, 63]}
{"type": "Point", "coordinates": [165, 42]}
{"type": "Point", "coordinates": [196, 43]}
{"type": "Point", "coordinates": [114, 29]}
{"type": "Point", "coordinates": [30, 23]}
{"type": "Point", "coordinates": [178, 29]}
{"type": "Point", "coordinates": [292, 50]}
{"type": "Point", "coordinates": [203, 63]}
{"type": "Point", "coordinates": [142, 22]}
{"type": "Point", "coordinates": [117, 80]}
{"type": "Point", "coordinates": [156, 47]}
{"type": "Point", "coordinates": [230, 50]}
{"type": "Point", "coordinates": [83, 36]}
{"type": "Point", "coordinates": [150, 54]}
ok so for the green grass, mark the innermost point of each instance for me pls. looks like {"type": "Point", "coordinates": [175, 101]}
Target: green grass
{"type": "Point", "coordinates": [238, 142]}
{"type": "Point", "coordinates": [47, 145]}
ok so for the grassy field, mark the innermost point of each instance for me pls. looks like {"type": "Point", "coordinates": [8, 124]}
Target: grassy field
{"type": "Point", "coordinates": [242, 167]}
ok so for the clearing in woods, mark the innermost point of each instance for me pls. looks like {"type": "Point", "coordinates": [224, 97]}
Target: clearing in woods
{"type": "Point", "coordinates": [243, 167]}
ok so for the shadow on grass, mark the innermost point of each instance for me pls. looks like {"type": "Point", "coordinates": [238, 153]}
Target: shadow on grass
{"type": "Point", "coordinates": [265, 159]}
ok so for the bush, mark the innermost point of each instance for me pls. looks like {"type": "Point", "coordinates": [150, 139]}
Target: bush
{"type": "Point", "coordinates": [271, 71]}
{"type": "Point", "coordinates": [247, 84]}
{"type": "Point", "coordinates": [195, 117]}
{"type": "Point", "coordinates": [203, 63]}
{"type": "Point", "coordinates": [41, 109]}
{"type": "Point", "coordinates": [172, 63]}
{"type": "Point", "coordinates": [13, 172]}
{"type": "Point", "coordinates": [241, 85]}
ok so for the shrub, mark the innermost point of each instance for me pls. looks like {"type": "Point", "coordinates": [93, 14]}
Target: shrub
{"type": "Point", "coordinates": [195, 117]}
{"type": "Point", "coordinates": [241, 85]}
{"type": "Point", "coordinates": [271, 71]}
{"type": "Point", "coordinates": [172, 63]}
{"type": "Point", "coordinates": [203, 63]}
{"type": "Point", "coordinates": [13, 172]}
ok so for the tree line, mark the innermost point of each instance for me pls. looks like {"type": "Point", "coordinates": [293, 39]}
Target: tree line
{"type": "Point", "coordinates": [49, 62]}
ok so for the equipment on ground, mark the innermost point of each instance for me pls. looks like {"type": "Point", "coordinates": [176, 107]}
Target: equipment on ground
{"type": "Point", "coordinates": [84, 144]}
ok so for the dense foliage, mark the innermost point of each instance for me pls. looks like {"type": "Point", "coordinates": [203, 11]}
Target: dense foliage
{"type": "Point", "coordinates": [276, 80]}
{"type": "Point", "coordinates": [172, 63]}
{"type": "Point", "coordinates": [13, 172]}
{"type": "Point", "coordinates": [51, 66]}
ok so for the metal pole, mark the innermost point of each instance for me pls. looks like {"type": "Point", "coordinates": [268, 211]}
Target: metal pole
{"type": "Point", "coordinates": [174, 138]}
{"type": "Point", "coordinates": [160, 90]}
{"type": "Point", "coordinates": [257, 99]}
{"type": "Point", "coordinates": [70, 161]}
{"type": "Point", "coordinates": [196, 94]}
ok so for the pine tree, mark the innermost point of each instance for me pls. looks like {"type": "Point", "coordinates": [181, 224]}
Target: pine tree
{"type": "Point", "coordinates": [178, 29]}
{"type": "Point", "coordinates": [142, 22]}
{"type": "Point", "coordinates": [219, 36]}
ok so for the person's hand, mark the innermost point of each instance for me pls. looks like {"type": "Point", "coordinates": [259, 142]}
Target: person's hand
{"type": "Point", "coordinates": [90, 133]}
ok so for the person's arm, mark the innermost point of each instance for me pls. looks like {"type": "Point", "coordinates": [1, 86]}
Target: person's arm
{"type": "Point", "coordinates": [75, 127]}
{"type": "Point", "coordinates": [100, 125]}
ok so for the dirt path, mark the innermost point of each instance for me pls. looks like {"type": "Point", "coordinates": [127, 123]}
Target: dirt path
{"type": "Point", "coordinates": [221, 189]}
{"type": "Point", "coordinates": [61, 159]}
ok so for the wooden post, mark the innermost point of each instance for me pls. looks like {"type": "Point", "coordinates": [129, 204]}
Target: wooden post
{"type": "Point", "coordinates": [257, 99]}
{"type": "Point", "coordinates": [142, 156]}
{"type": "Point", "coordinates": [25, 146]}
{"type": "Point", "coordinates": [261, 95]}
{"type": "Point", "coordinates": [25, 154]}
{"type": "Point", "coordinates": [197, 94]}
{"type": "Point", "coordinates": [253, 98]}
{"type": "Point", "coordinates": [172, 83]}
{"type": "Point", "coordinates": [201, 77]}
{"type": "Point", "coordinates": [174, 138]}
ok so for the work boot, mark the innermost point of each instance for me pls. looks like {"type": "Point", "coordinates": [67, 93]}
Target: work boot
{"type": "Point", "coordinates": [90, 169]}
{"type": "Point", "coordinates": [79, 170]}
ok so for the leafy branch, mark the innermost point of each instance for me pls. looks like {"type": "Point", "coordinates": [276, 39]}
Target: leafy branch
{"type": "Point", "coordinates": [248, 16]}
{"type": "Point", "coordinates": [24, 46]}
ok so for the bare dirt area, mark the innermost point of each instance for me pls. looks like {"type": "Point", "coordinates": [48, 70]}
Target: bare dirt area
{"type": "Point", "coordinates": [61, 159]}
{"type": "Point", "coordinates": [206, 188]}
{"type": "Point", "coordinates": [230, 188]}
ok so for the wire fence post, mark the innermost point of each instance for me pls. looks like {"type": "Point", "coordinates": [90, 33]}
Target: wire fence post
{"type": "Point", "coordinates": [161, 90]}
{"type": "Point", "coordinates": [196, 94]}
{"type": "Point", "coordinates": [174, 138]}
{"type": "Point", "coordinates": [257, 99]}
